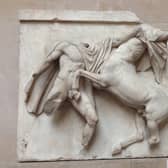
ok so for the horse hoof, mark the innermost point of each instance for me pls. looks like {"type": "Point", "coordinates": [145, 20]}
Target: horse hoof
{"type": "Point", "coordinates": [154, 140]}
{"type": "Point", "coordinates": [117, 149]}
{"type": "Point", "coordinates": [85, 142]}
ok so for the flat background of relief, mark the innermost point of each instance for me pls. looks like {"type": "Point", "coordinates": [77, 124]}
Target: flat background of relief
{"type": "Point", "coordinates": [58, 137]}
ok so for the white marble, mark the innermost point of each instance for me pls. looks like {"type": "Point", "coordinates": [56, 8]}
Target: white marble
{"type": "Point", "coordinates": [59, 136]}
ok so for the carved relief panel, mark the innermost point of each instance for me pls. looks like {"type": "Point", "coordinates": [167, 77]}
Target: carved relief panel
{"type": "Point", "coordinates": [93, 85]}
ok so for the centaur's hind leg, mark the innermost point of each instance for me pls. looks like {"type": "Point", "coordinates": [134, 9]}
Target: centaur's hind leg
{"type": "Point", "coordinates": [152, 125]}
{"type": "Point", "coordinates": [154, 132]}
{"type": "Point", "coordinates": [156, 112]}
{"type": "Point", "coordinates": [85, 106]}
{"type": "Point", "coordinates": [138, 137]}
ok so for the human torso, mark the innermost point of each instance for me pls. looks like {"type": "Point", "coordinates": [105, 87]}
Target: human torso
{"type": "Point", "coordinates": [121, 74]}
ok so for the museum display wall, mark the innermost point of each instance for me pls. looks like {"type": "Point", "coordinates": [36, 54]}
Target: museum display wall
{"type": "Point", "coordinates": [156, 16]}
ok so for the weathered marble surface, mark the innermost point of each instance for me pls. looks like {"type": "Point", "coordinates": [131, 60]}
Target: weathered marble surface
{"type": "Point", "coordinates": [58, 136]}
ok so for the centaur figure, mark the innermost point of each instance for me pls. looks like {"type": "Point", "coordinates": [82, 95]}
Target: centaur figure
{"type": "Point", "coordinates": [118, 75]}
{"type": "Point", "coordinates": [109, 65]}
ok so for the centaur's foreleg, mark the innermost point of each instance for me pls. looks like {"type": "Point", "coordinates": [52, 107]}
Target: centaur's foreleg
{"type": "Point", "coordinates": [93, 77]}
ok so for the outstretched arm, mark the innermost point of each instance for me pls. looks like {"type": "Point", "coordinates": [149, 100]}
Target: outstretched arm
{"type": "Point", "coordinates": [43, 67]}
{"type": "Point", "coordinates": [52, 57]}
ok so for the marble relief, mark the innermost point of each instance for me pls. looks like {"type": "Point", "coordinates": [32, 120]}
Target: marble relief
{"type": "Point", "coordinates": [118, 60]}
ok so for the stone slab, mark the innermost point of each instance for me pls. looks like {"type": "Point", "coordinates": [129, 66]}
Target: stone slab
{"type": "Point", "coordinates": [58, 137]}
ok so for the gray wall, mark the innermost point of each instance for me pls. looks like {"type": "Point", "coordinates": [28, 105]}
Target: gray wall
{"type": "Point", "coordinates": [153, 11]}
